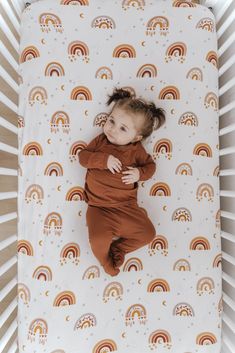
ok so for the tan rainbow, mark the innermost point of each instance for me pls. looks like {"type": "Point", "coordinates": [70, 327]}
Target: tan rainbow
{"type": "Point", "coordinates": [134, 263]}
{"type": "Point", "coordinates": [183, 309]}
{"type": "Point", "coordinates": [60, 117]}
{"type": "Point", "coordinates": [169, 92]}
{"type": "Point", "coordinates": [199, 243]}
{"type": "Point", "coordinates": [205, 285]}
{"type": "Point", "coordinates": [70, 251]}
{"type": "Point", "coordinates": [103, 22]}
{"type": "Point", "coordinates": [138, 4]}
{"type": "Point", "coordinates": [160, 189]}
{"type": "Point", "coordinates": [183, 3]}
{"type": "Point", "coordinates": [47, 19]}
{"type": "Point", "coordinates": [160, 21]}
{"type": "Point", "coordinates": [202, 149]}
{"type": "Point", "coordinates": [182, 265]}
{"type": "Point", "coordinates": [91, 273]}
{"type": "Point", "coordinates": [159, 243]}
{"type": "Point", "coordinates": [113, 290]}
{"type": "Point", "coordinates": [54, 168]}
{"type": "Point", "coordinates": [211, 100]}
{"type": "Point", "coordinates": [207, 24]}
{"type": "Point", "coordinates": [104, 73]}
{"type": "Point", "coordinates": [147, 71]}
{"type": "Point", "coordinates": [75, 194]}
{"type": "Point", "coordinates": [184, 169]}
{"type": "Point", "coordinates": [205, 339]}
{"type": "Point", "coordinates": [205, 190]}
{"type": "Point", "coordinates": [133, 311]}
{"type": "Point", "coordinates": [176, 50]}
{"type": "Point", "coordinates": [212, 58]}
{"type": "Point", "coordinates": [85, 321]}
{"type": "Point", "coordinates": [23, 293]}
{"type": "Point", "coordinates": [38, 94]}
{"type": "Point", "coordinates": [182, 215]}
{"type": "Point", "coordinates": [29, 53]}
{"type": "Point", "coordinates": [189, 119]}
{"type": "Point", "coordinates": [53, 221]}
{"type": "Point", "coordinates": [158, 285]}
{"type": "Point", "coordinates": [65, 298]}
{"type": "Point", "coordinates": [163, 147]}
{"type": "Point", "coordinates": [34, 192]}
{"type": "Point", "coordinates": [43, 273]}
{"type": "Point", "coordinates": [124, 51]}
{"type": "Point", "coordinates": [54, 69]}
{"type": "Point", "coordinates": [25, 247]}
{"type": "Point", "coordinates": [105, 346]}
{"type": "Point", "coordinates": [158, 338]}
{"type": "Point", "coordinates": [77, 49]}
{"type": "Point", "coordinates": [81, 93]}
{"type": "Point", "coordinates": [38, 325]}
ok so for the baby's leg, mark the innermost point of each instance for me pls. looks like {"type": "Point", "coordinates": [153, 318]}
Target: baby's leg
{"type": "Point", "coordinates": [99, 225]}
{"type": "Point", "coordinates": [137, 230]}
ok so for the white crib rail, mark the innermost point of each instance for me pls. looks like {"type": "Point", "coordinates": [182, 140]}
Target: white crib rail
{"type": "Point", "coordinates": [224, 12]}
{"type": "Point", "coordinates": [10, 12]}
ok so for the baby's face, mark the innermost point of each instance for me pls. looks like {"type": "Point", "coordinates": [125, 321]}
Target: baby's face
{"type": "Point", "coordinates": [121, 127]}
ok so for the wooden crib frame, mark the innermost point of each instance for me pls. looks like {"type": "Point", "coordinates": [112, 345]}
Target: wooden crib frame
{"type": "Point", "coordinates": [10, 12]}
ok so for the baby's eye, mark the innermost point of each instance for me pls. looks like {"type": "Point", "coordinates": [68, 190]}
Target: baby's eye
{"type": "Point", "coordinates": [123, 129]}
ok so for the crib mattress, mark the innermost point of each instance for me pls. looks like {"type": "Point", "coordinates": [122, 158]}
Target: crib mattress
{"type": "Point", "coordinates": [167, 296]}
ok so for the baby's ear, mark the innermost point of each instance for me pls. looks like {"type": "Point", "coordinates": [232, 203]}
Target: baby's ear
{"type": "Point", "coordinates": [139, 138]}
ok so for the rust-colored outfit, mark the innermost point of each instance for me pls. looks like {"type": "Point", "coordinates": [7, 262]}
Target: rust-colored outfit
{"type": "Point", "coordinates": [112, 205]}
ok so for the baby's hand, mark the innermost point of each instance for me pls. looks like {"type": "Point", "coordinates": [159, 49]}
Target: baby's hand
{"type": "Point", "coordinates": [132, 177]}
{"type": "Point", "coordinates": [114, 163]}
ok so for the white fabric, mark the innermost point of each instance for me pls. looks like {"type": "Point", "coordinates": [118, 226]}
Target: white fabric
{"type": "Point", "coordinates": [167, 296]}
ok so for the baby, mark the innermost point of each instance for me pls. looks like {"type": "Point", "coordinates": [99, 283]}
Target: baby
{"type": "Point", "coordinates": [116, 160]}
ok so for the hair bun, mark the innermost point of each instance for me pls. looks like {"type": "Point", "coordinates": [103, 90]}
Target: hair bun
{"type": "Point", "coordinates": [118, 94]}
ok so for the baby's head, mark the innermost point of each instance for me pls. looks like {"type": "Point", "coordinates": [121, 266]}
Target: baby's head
{"type": "Point", "coordinates": [130, 119]}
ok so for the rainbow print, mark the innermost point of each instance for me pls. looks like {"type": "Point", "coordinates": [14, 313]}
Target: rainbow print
{"type": "Point", "coordinates": [91, 273]}
{"type": "Point", "coordinates": [182, 265]}
{"type": "Point", "coordinates": [176, 50]}
{"type": "Point", "coordinates": [205, 285]}
{"type": "Point", "coordinates": [103, 22]}
{"type": "Point", "coordinates": [202, 149]}
{"type": "Point", "coordinates": [77, 49]}
{"type": "Point", "coordinates": [169, 92]}
{"type": "Point", "coordinates": [113, 290]}
{"type": "Point", "coordinates": [34, 192]}
{"type": "Point", "coordinates": [136, 310]}
{"type": "Point", "coordinates": [20, 122]}
{"type": "Point", "coordinates": [32, 149]}
{"type": "Point", "coordinates": [70, 252]}
{"type": "Point", "coordinates": [189, 119]}
{"type": "Point", "coordinates": [75, 194]}
{"type": "Point", "coordinates": [60, 118]}
{"type": "Point", "coordinates": [206, 191]}
{"type": "Point", "coordinates": [205, 339]}
{"type": "Point", "coordinates": [124, 51]}
{"type": "Point", "coordinates": [43, 273]}
{"type": "Point", "coordinates": [38, 325]}
{"type": "Point", "coordinates": [147, 70]}
{"type": "Point", "coordinates": [160, 243]}
{"type": "Point", "coordinates": [195, 74]}
{"type": "Point", "coordinates": [160, 337]}
{"type": "Point", "coordinates": [75, 149]}
{"type": "Point", "coordinates": [25, 247]}
{"type": "Point", "coordinates": [211, 100]}
{"type": "Point", "coordinates": [104, 73]}
{"type": "Point", "coordinates": [100, 119]}
{"type": "Point", "coordinates": [54, 168]}
{"type": "Point", "coordinates": [105, 346]}
{"type": "Point", "coordinates": [206, 24]}
{"type": "Point", "coordinates": [23, 293]}
{"type": "Point", "coordinates": [54, 69]}
{"type": "Point", "coordinates": [184, 169]}
{"type": "Point", "coordinates": [53, 221]}
{"type": "Point", "coordinates": [217, 262]}
{"type": "Point", "coordinates": [217, 219]}
{"type": "Point", "coordinates": [158, 285]}
{"type": "Point", "coordinates": [38, 94]}
{"type": "Point", "coordinates": [163, 147]}
{"type": "Point", "coordinates": [75, 2]}
{"type": "Point", "coordinates": [160, 21]}
{"type": "Point", "coordinates": [183, 309]}
{"type": "Point", "coordinates": [134, 263]}
{"type": "Point", "coordinates": [183, 3]}
{"type": "Point", "coordinates": [138, 4]}
{"type": "Point", "coordinates": [212, 58]}
{"type": "Point", "coordinates": [46, 20]}
{"type": "Point", "coordinates": [29, 53]}
{"type": "Point", "coordinates": [85, 321]}
{"type": "Point", "coordinates": [182, 215]}
{"type": "Point", "coordinates": [199, 243]}
{"type": "Point", "coordinates": [65, 298]}
{"type": "Point", "coordinates": [160, 189]}
{"type": "Point", "coordinates": [81, 93]}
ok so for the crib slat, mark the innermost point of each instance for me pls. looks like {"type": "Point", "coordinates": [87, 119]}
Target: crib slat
{"type": "Point", "coordinates": [6, 313]}
{"type": "Point", "coordinates": [226, 44]}
{"type": "Point", "coordinates": [8, 171]}
{"type": "Point", "coordinates": [8, 288]}
{"type": "Point", "coordinates": [7, 242]}
{"type": "Point", "coordinates": [229, 323]}
{"type": "Point", "coordinates": [9, 34]}
{"type": "Point", "coordinates": [7, 265]}
{"type": "Point", "coordinates": [17, 7]}
{"type": "Point", "coordinates": [226, 24]}
{"type": "Point", "coordinates": [5, 100]}
{"type": "Point", "coordinates": [14, 347]}
{"type": "Point", "coordinates": [228, 215]}
{"type": "Point", "coordinates": [228, 236]}
{"type": "Point", "coordinates": [225, 172]}
{"type": "Point", "coordinates": [228, 344]}
{"type": "Point", "coordinates": [227, 86]}
{"type": "Point", "coordinates": [225, 193]}
{"type": "Point", "coordinates": [8, 126]}
{"type": "Point", "coordinates": [229, 301]}
{"type": "Point", "coordinates": [228, 258]}
{"type": "Point", "coordinates": [10, 59]}
{"type": "Point", "coordinates": [8, 195]}
{"type": "Point", "coordinates": [11, 15]}
{"type": "Point", "coordinates": [7, 336]}
{"type": "Point", "coordinates": [228, 279]}
{"type": "Point", "coordinates": [227, 150]}
{"type": "Point", "coordinates": [8, 217]}
{"type": "Point", "coordinates": [227, 108]}
{"type": "Point", "coordinates": [9, 80]}
{"type": "Point", "coordinates": [223, 131]}
{"type": "Point", "coordinates": [7, 148]}
{"type": "Point", "coordinates": [227, 65]}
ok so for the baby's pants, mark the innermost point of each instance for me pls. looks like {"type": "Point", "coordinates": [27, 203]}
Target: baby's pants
{"type": "Point", "coordinates": [129, 222]}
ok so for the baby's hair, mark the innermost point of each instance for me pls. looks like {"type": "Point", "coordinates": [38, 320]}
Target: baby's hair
{"type": "Point", "coordinates": [154, 117]}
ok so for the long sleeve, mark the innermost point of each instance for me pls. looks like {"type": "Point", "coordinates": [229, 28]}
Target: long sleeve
{"type": "Point", "coordinates": [145, 164]}
{"type": "Point", "coordinates": [89, 158]}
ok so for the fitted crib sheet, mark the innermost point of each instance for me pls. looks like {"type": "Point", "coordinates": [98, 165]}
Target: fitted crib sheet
{"type": "Point", "coordinates": [167, 296]}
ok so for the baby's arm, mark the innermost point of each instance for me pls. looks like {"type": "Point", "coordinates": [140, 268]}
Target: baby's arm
{"type": "Point", "coordinates": [145, 164]}
{"type": "Point", "coordinates": [90, 158]}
